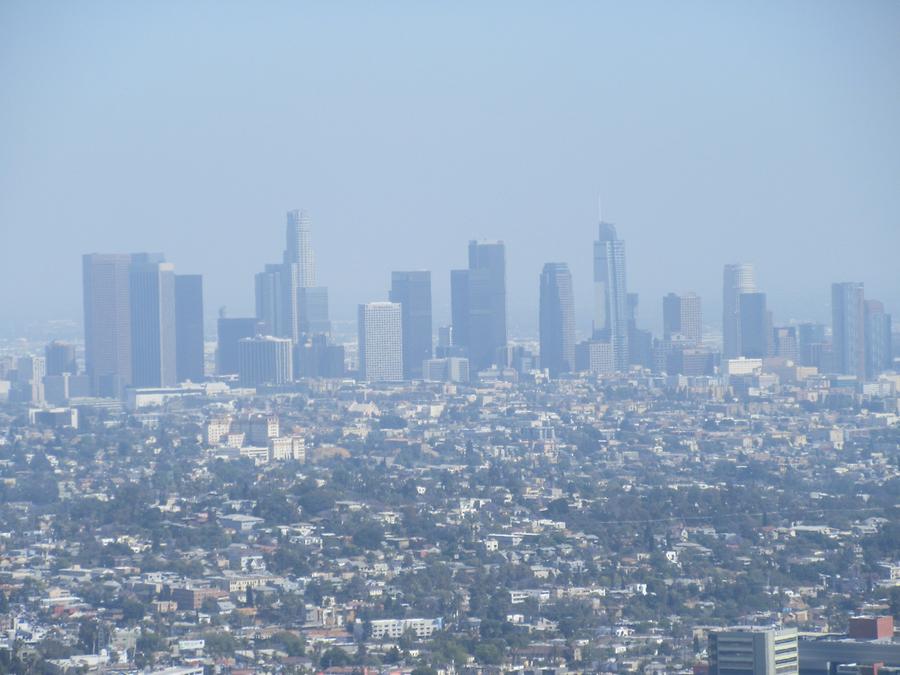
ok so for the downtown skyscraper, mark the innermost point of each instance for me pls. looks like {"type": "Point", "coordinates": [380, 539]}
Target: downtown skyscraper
{"type": "Point", "coordinates": [107, 322]}
{"type": "Point", "coordinates": [478, 304]}
{"type": "Point", "coordinates": [557, 319]}
{"type": "Point", "coordinates": [848, 328]}
{"type": "Point", "coordinates": [413, 291]}
{"type": "Point", "coordinates": [153, 332]}
{"type": "Point", "coordinates": [138, 317]}
{"type": "Point", "coordinates": [736, 279]}
{"type": "Point", "coordinates": [683, 319]}
{"type": "Point", "coordinates": [288, 302]}
{"type": "Point", "coordinates": [189, 327]}
{"type": "Point", "coordinates": [380, 342]}
{"type": "Point", "coordinates": [611, 294]}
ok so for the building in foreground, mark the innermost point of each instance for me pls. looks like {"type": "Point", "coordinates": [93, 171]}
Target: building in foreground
{"type": "Point", "coordinates": [380, 342]}
{"type": "Point", "coordinates": [754, 651]}
{"type": "Point", "coordinates": [265, 359]}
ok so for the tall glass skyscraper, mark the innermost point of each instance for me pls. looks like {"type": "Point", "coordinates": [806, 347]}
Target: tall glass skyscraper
{"type": "Point", "coordinates": [848, 328]}
{"type": "Point", "coordinates": [879, 348]}
{"type": "Point", "coordinates": [557, 319]}
{"type": "Point", "coordinates": [478, 298]}
{"type": "Point", "coordinates": [611, 294]}
{"type": "Point", "coordinates": [413, 291]}
{"type": "Point", "coordinates": [282, 306]}
{"type": "Point", "coordinates": [107, 322]}
{"type": "Point", "coordinates": [189, 327]}
{"type": "Point", "coordinates": [153, 351]}
{"type": "Point", "coordinates": [736, 279]}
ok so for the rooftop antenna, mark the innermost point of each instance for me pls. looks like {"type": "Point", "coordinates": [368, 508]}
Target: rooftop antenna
{"type": "Point", "coordinates": [599, 208]}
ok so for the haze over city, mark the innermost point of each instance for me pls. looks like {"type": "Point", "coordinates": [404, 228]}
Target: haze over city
{"type": "Point", "coordinates": [763, 133]}
{"type": "Point", "coordinates": [418, 338]}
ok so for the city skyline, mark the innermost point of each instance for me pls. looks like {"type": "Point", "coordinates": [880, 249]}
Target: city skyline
{"type": "Point", "coordinates": [385, 162]}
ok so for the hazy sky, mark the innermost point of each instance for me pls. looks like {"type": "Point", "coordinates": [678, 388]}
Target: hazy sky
{"type": "Point", "coordinates": [766, 132]}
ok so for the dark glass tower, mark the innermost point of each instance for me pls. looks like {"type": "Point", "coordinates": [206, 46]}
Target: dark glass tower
{"type": "Point", "coordinates": [755, 325]}
{"type": "Point", "coordinates": [413, 291]}
{"type": "Point", "coordinates": [557, 319]}
{"type": "Point", "coordinates": [479, 304]}
{"type": "Point", "coordinates": [230, 332]}
{"type": "Point", "coordinates": [848, 328]}
{"type": "Point", "coordinates": [189, 327]}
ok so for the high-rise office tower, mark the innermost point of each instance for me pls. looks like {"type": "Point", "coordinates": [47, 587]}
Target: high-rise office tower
{"type": "Point", "coordinates": [413, 291]}
{"type": "Point", "coordinates": [737, 279]}
{"type": "Point", "coordinates": [811, 342]}
{"type": "Point", "coordinates": [312, 310]}
{"type": "Point", "coordinates": [557, 319]}
{"type": "Point", "coordinates": [848, 329]}
{"type": "Point", "coordinates": [640, 341]}
{"type": "Point", "coordinates": [298, 271]}
{"type": "Point", "coordinates": [785, 344]}
{"type": "Point", "coordinates": [189, 327]}
{"type": "Point", "coordinates": [611, 294]}
{"type": "Point", "coordinates": [269, 303]}
{"type": "Point", "coordinates": [60, 358]}
{"type": "Point", "coordinates": [380, 342]}
{"type": "Point", "coordinates": [683, 319]}
{"type": "Point", "coordinates": [755, 325]}
{"type": "Point", "coordinates": [879, 352]}
{"type": "Point", "coordinates": [265, 359]}
{"type": "Point", "coordinates": [152, 296]}
{"type": "Point", "coordinates": [478, 300]}
{"type": "Point", "coordinates": [299, 249]}
{"type": "Point", "coordinates": [316, 356]}
{"type": "Point", "coordinates": [754, 651]}
{"type": "Point", "coordinates": [30, 372]}
{"type": "Point", "coordinates": [230, 332]}
{"type": "Point", "coordinates": [107, 322]}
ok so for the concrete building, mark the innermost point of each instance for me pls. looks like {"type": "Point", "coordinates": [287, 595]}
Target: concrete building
{"type": "Point", "coordinates": [380, 342]}
{"type": "Point", "coordinates": [754, 651]}
{"type": "Point", "coordinates": [265, 360]}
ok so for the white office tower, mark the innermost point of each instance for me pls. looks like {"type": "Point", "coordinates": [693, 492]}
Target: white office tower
{"type": "Point", "coordinates": [380, 342]}
{"type": "Point", "coordinates": [265, 360]}
{"type": "Point", "coordinates": [737, 279]}
{"type": "Point", "coordinates": [754, 651]}
{"type": "Point", "coordinates": [299, 249]}
{"type": "Point", "coordinates": [30, 378]}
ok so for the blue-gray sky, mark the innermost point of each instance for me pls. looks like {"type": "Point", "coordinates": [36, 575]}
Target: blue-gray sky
{"type": "Point", "coordinates": [766, 132]}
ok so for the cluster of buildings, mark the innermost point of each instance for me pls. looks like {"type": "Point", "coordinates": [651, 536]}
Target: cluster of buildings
{"type": "Point", "coordinates": [470, 504]}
